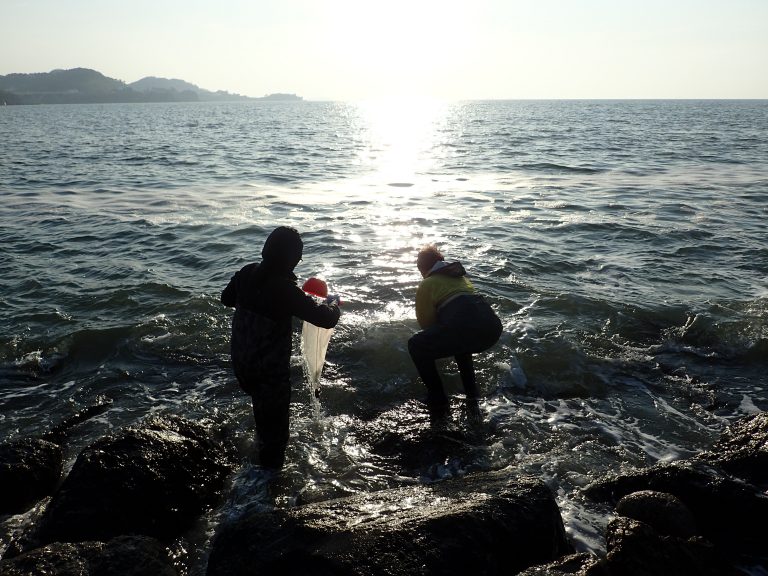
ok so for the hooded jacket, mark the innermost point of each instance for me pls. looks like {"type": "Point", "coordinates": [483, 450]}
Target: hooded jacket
{"type": "Point", "coordinates": [444, 281]}
{"type": "Point", "coordinates": [266, 298]}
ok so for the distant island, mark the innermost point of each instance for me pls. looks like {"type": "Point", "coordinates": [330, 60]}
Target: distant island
{"type": "Point", "coordinates": [85, 86]}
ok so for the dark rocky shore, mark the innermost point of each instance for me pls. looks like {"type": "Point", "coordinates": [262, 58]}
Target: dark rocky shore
{"type": "Point", "coordinates": [130, 494]}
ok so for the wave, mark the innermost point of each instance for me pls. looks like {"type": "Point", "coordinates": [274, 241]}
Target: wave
{"type": "Point", "coordinates": [735, 331]}
{"type": "Point", "coordinates": [610, 231]}
{"type": "Point", "coordinates": [727, 330]}
{"type": "Point", "coordinates": [550, 167]}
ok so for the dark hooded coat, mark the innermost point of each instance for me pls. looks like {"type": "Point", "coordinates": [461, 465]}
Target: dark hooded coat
{"type": "Point", "coordinates": [265, 298]}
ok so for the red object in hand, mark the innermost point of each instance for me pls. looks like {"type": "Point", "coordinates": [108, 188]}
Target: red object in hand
{"type": "Point", "coordinates": [316, 287]}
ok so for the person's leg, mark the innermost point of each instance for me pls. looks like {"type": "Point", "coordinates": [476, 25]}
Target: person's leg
{"type": "Point", "coordinates": [271, 406]}
{"type": "Point", "coordinates": [474, 327]}
{"type": "Point", "coordinates": [423, 355]}
{"type": "Point", "coordinates": [437, 341]}
{"type": "Point", "coordinates": [467, 371]}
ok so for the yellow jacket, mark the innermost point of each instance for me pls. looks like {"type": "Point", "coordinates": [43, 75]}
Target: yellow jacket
{"type": "Point", "coordinates": [443, 281]}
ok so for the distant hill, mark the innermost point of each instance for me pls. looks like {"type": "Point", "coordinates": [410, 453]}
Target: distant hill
{"type": "Point", "coordinates": [154, 83]}
{"type": "Point", "coordinates": [82, 85]}
{"type": "Point", "coordinates": [158, 87]}
{"type": "Point", "coordinates": [77, 85]}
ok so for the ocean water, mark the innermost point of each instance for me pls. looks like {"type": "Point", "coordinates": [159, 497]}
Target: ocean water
{"type": "Point", "coordinates": [622, 243]}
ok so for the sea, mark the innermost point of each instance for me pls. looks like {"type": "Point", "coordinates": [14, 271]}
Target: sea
{"type": "Point", "coordinates": [623, 244]}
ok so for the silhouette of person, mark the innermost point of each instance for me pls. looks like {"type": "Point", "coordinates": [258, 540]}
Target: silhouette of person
{"type": "Point", "coordinates": [265, 298]}
{"type": "Point", "coordinates": [455, 320]}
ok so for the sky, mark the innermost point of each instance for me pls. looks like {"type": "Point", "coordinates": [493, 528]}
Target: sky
{"type": "Point", "coordinates": [368, 50]}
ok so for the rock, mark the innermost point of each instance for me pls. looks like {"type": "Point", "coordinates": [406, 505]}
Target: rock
{"type": "Point", "coordinates": [154, 480]}
{"type": "Point", "coordinates": [482, 524]}
{"type": "Point", "coordinates": [17, 532]}
{"type": "Point", "coordinates": [573, 565]}
{"type": "Point", "coordinates": [124, 556]}
{"type": "Point", "coordinates": [730, 513]}
{"type": "Point", "coordinates": [29, 470]}
{"type": "Point", "coordinates": [742, 449]}
{"type": "Point", "coordinates": [417, 443]}
{"type": "Point", "coordinates": [635, 549]}
{"type": "Point", "coordinates": [665, 513]}
{"type": "Point", "coordinates": [133, 556]}
{"type": "Point", "coordinates": [59, 434]}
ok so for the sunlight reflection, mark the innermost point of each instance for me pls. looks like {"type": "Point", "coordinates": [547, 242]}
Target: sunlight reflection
{"type": "Point", "coordinates": [402, 134]}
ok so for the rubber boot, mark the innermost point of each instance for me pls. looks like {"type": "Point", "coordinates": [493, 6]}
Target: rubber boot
{"type": "Point", "coordinates": [437, 401]}
{"type": "Point", "coordinates": [467, 371]}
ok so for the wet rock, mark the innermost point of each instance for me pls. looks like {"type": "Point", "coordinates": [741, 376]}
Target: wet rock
{"type": "Point", "coordinates": [665, 513]}
{"type": "Point", "coordinates": [17, 532]}
{"type": "Point", "coordinates": [481, 524]}
{"type": "Point", "coordinates": [636, 549]}
{"type": "Point", "coordinates": [418, 442]}
{"type": "Point", "coordinates": [155, 479]}
{"type": "Point", "coordinates": [742, 449]}
{"type": "Point", "coordinates": [124, 556]}
{"type": "Point", "coordinates": [59, 434]}
{"type": "Point", "coordinates": [728, 512]}
{"type": "Point", "coordinates": [572, 565]}
{"type": "Point", "coordinates": [29, 470]}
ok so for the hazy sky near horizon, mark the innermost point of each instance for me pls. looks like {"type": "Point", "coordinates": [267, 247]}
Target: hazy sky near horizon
{"type": "Point", "coordinates": [448, 49]}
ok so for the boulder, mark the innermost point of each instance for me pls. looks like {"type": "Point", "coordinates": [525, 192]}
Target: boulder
{"type": "Point", "coordinates": [17, 533]}
{"type": "Point", "coordinates": [728, 512]}
{"type": "Point", "coordinates": [419, 443]}
{"type": "Point", "coordinates": [742, 449]}
{"type": "Point", "coordinates": [155, 479]}
{"type": "Point", "coordinates": [60, 433]}
{"type": "Point", "coordinates": [123, 556]}
{"type": "Point", "coordinates": [665, 513]}
{"type": "Point", "coordinates": [481, 524]}
{"type": "Point", "coordinates": [636, 549]}
{"type": "Point", "coordinates": [572, 565]}
{"type": "Point", "coordinates": [29, 470]}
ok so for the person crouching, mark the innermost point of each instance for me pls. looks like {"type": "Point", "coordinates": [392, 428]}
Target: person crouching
{"type": "Point", "coordinates": [455, 321]}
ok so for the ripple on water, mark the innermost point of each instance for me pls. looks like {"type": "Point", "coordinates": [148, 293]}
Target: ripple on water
{"type": "Point", "coordinates": [624, 258]}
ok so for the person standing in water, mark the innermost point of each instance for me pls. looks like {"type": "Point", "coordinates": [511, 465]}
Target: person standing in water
{"type": "Point", "coordinates": [455, 321]}
{"type": "Point", "coordinates": [265, 298]}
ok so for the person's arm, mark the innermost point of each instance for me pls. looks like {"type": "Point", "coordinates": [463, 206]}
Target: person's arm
{"type": "Point", "coordinates": [229, 295]}
{"type": "Point", "coordinates": [425, 310]}
{"type": "Point", "coordinates": [307, 308]}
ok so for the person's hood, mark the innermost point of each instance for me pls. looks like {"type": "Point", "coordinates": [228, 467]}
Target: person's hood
{"type": "Point", "coordinates": [283, 250]}
{"type": "Point", "coordinates": [454, 269]}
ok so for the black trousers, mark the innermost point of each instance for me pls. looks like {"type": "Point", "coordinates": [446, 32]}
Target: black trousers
{"type": "Point", "coordinates": [465, 325]}
{"type": "Point", "coordinates": [271, 399]}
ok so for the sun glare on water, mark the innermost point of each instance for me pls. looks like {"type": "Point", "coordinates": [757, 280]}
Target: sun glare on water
{"type": "Point", "coordinates": [402, 134]}
{"type": "Point", "coordinates": [403, 56]}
